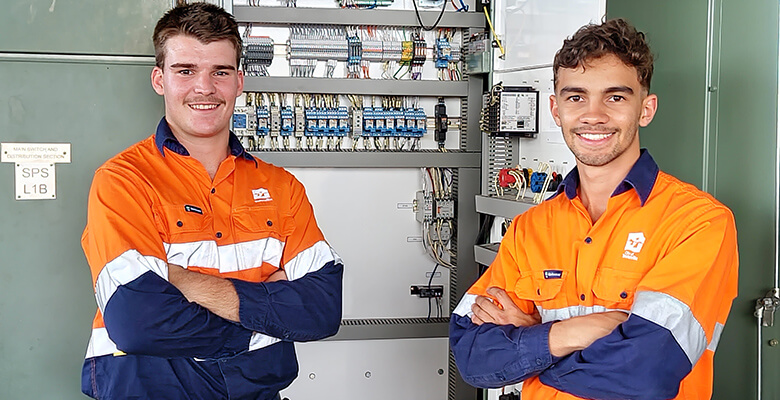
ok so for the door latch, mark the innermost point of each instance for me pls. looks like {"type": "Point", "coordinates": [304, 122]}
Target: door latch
{"type": "Point", "coordinates": [766, 306]}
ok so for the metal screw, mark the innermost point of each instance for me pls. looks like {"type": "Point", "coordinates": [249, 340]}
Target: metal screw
{"type": "Point", "coordinates": [312, 376]}
{"type": "Point", "coordinates": [368, 374]}
{"type": "Point", "coordinates": [773, 342]}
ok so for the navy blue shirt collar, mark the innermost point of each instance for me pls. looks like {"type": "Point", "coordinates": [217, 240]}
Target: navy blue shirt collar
{"type": "Point", "coordinates": [641, 178]}
{"type": "Point", "coordinates": [164, 138]}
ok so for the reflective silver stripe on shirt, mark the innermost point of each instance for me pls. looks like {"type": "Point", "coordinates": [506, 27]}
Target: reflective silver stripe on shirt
{"type": "Point", "coordinates": [226, 258]}
{"type": "Point", "coordinates": [464, 307]}
{"type": "Point", "coordinates": [123, 270]}
{"type": "Point", "coordinates": [100, 344]}
{"type": "Point", "coordinates": [717, 331]}
{"type": "Point", "coordinates": [676, 316]}
{"type": "Point", "coordinates": [310, 260]}
{"type": "Point", "coordinates": [259, 340]}
{"type": "Point", "coordinates": [560, 314]}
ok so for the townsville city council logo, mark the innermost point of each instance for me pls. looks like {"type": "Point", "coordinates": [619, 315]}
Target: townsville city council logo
{"type": "Point", "coordinates": [634, 245]}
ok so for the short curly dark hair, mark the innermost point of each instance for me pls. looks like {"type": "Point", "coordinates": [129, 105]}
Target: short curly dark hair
{"type": "Point", "coordinates": [203, 21]}
{"type": "Point", "coordinates": [614, 36]}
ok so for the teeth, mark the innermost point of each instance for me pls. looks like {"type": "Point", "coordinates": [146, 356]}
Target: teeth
{"type": "Point", "coordinates": [203, 106]}
{"type": "Point", "coordinates": [594, 136]}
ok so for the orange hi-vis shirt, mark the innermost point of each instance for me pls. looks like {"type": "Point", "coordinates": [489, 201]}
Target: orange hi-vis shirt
{"type": "Point", "coordinates": [154, 205]}
{"type": "Point", "coordinates": [664, 252]}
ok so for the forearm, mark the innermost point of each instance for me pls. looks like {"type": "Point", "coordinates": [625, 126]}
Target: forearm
{"type": "Point", "coordinates": [491, 356]}
{"type": "Point", "coordinates": [150, 316]}
{"type": "Point", "coordinates": [578, 333]}
{"type": "Point", "coordinates": [216, 294]}
{"type": "Point", "coordinates": [307, 308]}
{"type": "Point", "coordinates": [638, 360]}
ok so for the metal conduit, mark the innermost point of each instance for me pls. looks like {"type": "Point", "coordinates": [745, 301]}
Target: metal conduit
{"type": "Point", "coordinates": [77, 58]}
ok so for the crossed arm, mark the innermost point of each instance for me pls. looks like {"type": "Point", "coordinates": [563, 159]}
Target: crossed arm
{"type": "Point", "coordinates": [565, 336]}
{"type": "Point", "coordinates": [216, 294]}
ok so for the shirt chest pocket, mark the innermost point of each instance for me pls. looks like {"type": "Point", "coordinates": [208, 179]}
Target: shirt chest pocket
{"type": "Point", "coordinates": [184, 223]}
{"type": "Point", "coordinates": [540, 286]}
{"type": "Point", "coordinates": [616, 287]}
{"type": "Point", "coordinates": [260, 222]}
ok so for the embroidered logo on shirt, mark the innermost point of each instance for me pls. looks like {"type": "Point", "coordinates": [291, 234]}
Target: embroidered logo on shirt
{"type": "Point", "coordinates": [634, 245]}
{"type": "Point", "coordinates": [193, 209]}
{"type": "Point", "coordinates": [261, 194]}
{"type": "Point", "coordinates": [553, 274]}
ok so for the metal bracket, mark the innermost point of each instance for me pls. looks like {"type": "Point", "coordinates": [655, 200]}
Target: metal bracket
{"type": "Point", "coordinates": [766, 306]}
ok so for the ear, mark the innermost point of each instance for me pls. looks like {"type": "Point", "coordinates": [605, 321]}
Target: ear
{"type": "Point", "coordinates": [649, 107]}
{"type": "Point", "coordinates": [240, 90]}
{"type": "Point", "coordinates": [554, 109]}
{"type": "Point", "coordinates": [157, 80]}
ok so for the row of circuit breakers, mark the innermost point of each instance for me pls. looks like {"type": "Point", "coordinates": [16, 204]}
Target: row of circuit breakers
{"type": "Point", "coordinates": [309, 44]}
{"type": "Point", "coordinates": [255, 122]}
{"type": "Point", "coordinates": [507, 111]}
{"type": "Point", "coordinates": [323, 122]}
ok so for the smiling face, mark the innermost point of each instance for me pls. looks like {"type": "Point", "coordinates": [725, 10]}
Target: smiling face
{"type": "Point", "coordinates": [600, 108]}
{"type": "Point", "coordinates": [200, 83]}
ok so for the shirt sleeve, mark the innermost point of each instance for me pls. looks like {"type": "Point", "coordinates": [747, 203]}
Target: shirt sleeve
{"type": "Point", "coordinates": [142, 312]}
{"type": "Point", "coordinates": [678, 313]}
{"type": "Point", "coordinates": [308, 305]}
{"type": "Point", "coordinates": [490, 355]}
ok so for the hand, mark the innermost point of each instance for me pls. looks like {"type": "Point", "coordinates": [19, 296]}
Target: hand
{"type": "Point", "coordinates": [578, 333]}
{"type": "Point", "coordinates": [505, 312]}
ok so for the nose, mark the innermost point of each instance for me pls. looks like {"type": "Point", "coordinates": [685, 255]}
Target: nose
{"type": "Point", "coordinates": [204, 84]}
{"type": "Point", "coordinates": [594, 114]}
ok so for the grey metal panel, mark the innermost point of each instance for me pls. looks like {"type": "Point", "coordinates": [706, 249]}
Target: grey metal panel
{"type": "Point", "coordinates": [84, 26]}
{"type": "Point", "coordinates": [356, 86]}
{"type": "Point", "coordinates": [505, 207]}
{"type": "Point", "coordinates": [369, 159]}
{"type": "Point", "coordinates": [467, 270]}
{"type": "Point", "coordinates": [392, 331]}
{"type": "Point", "coordinates": [46, 297]}
{"type": "Point", "coordinates": [485, 253]}
{"type": "Point", "coordinates": [339, 16]}
{"type": "Point", "coordinates": [473, 137]}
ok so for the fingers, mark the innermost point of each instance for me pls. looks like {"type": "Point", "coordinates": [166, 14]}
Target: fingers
{"type": "Point", "coordinates": [485, 310]}
{"type": "Point", "coordinates": [502, 297]}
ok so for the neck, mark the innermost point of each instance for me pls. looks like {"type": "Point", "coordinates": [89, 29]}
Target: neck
{"type": "Point", "coordinates": [597, 183]}
{"type": "Point", "coordinates": [209, 151]}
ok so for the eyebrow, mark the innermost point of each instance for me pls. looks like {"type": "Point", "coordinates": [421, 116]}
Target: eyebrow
{"type": "Point", "coordinates": [191, 66]}
{"type": "Point", "coordinates": [572, 89]}
{"type": "Point", "coordinates": [619, 89]}
{"type": "Point", "coordinates": [611, 89]}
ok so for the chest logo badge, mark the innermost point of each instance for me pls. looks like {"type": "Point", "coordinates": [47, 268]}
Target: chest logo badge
{"type": "Point", "coordinates": [634, 245]}
{"type": "Point", "coordinates": [261, 194]}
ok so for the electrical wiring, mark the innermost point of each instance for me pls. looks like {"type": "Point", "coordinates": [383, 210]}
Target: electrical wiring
{"type": "Point", "coordinates": [430, 280]}
{"type": "Point", "coordinates": [437, 185]}
{"type": "Point", "coordinates": [497, 39]}
{"type": "Point", "coordinates": [419, 19]}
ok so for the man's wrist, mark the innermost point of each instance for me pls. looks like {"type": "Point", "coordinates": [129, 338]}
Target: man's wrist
{"type": "Point", "coordinates": [562, 341]}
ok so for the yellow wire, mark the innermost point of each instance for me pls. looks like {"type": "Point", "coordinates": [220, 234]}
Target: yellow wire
{"type": "Point", "coordinates": [500, 46]}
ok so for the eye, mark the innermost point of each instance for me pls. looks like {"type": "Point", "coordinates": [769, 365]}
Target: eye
{"type": "Point", "coordinates": [616, 98]}
{"type": "Point", "coordinates": [185, 72]}
{"type": "Point", "coordinates": [221, 73]}
{"type": "Point", "coordinates": [575, 98]}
